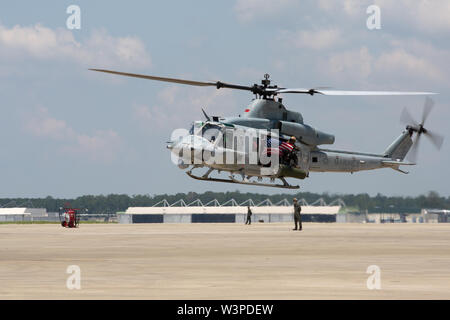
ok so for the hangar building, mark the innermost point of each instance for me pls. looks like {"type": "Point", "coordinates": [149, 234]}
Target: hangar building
{"type": "Point", "coordinates": [228, 212]}
{"type": "Point", "coordinates": [22, 214]}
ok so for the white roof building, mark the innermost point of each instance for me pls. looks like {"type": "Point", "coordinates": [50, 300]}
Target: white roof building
{"type": "Point", "coordinates": [233, 210]}
{"type": "Point", "coordinates": [34, 212]}
{"type": "Point", "coordinates": [230, 211]}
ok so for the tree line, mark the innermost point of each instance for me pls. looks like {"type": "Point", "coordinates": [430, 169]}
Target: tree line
{"type": "Point", "coordinates": [108, 204]}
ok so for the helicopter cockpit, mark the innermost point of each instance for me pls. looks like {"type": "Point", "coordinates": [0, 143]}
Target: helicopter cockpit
{"type": "Point", "coordinates": [207, 130]}
{"type": "Point", "coordinates": [212, 132]}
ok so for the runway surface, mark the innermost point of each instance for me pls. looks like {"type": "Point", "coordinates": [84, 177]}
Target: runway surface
{"type": "Point", "coordinates": [225, 261]}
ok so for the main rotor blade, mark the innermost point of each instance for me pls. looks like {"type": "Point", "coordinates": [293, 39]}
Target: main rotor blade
{"type": "Point", "coordinates": [351, 93]}
{"type": "Point", "coordinates": [407, 119]}
{"type": "Point", "coordinates": [429, 103]}
{"type": "Point", "coordinates": [435, 138]}
{"type": "Point", "coordinates": [293, 90]}
{"type": "Point", "coordinates": [258, 89]}
{"type": "Point", "coordinates": [135, 75]}
{"type": "Point", "coordinates": [217, 84]}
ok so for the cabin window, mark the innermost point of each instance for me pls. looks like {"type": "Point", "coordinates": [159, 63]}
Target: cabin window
{"type": "Point", "coordinates": [314, 159]}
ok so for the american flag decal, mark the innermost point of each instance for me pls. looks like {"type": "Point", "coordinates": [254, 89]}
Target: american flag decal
{"type": "Point", "coordinates": [283, 147]}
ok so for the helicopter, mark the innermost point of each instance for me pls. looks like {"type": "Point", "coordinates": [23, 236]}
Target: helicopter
{"type": "Point", "coordinates": [271, 142]}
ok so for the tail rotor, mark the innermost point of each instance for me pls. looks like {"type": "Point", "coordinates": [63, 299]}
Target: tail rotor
{"type": "Point", "coordinates": [413, 127]}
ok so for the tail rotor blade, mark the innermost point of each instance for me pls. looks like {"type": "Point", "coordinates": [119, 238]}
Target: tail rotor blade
{"type": "Point", "coordinates": [406, 118]}
{"type": "Point", "coordinates": [429, 103]}
{"type": "Point", "coordinates": [436, 139]}
{"type": "Point", "coordinates": [412, 155]}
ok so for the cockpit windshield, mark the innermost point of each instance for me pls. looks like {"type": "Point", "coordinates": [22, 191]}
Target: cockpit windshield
{"type": "Point", "coordinates": [213, 128]}
{"type": "Point", "coordinates": [212, 132]}
{"type": "Point", "coordinates": [195, 128]}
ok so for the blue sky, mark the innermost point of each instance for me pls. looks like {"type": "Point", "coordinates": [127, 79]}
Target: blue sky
{"type": "Point", "coordinates": [65, 131]}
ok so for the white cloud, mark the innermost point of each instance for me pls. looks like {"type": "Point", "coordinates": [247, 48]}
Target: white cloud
{"type": "Point", "coordinates": [99, 49]}
{"type": "Point", "coordinates": [103, 145]}
{"type": "Point", "coordinates": [434, 60]}
{"type": "Point", "coordinates": [425, 15]}
{"type": "Point", "coordinates": [351, 64]}
{"type": "Point", "coordinates": [247, 10]}
{"type": "Point", "coordinates": [312, 39]}
{"type": "Point", "coordinates": [41, 124]}
{"type": "Point", "coordinates": [177, 107]}
{"type": "Point", "coordinates": [349, 7]}
{"type": "Point", "coordinates": [403, 62]}
{"type": "Point", "coordinates": [326, 4]}
{"type": "Point", "coordinates": [354, 7]}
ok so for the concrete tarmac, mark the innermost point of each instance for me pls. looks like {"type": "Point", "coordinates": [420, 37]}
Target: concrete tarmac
{"type": "Point", "coordinates": [225, 261]}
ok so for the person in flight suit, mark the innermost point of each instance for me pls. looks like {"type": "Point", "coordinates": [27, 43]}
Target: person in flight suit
{"type": "Point", "coordinates": [288, 152]}
{"type": "Point", "coordinates": [297, 215]}
{"type": "Point", "coordinates": [249, 216]}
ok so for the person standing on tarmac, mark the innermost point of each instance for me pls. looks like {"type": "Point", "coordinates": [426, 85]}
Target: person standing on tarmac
{"type": "Point", "coordinates": [297, 215]}
{"type": "Point", "coordinates": [249, 216]}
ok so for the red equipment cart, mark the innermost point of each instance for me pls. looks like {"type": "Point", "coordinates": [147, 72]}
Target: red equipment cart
{"type": "Point", "coordinates": [69, 217]}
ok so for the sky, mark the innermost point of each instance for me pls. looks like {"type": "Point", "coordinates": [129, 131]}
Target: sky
{"type": "Point", "coordinates": [66, 131]}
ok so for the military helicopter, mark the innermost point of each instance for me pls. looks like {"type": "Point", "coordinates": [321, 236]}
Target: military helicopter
{"type": "Point", "coordinates": [267, 125]}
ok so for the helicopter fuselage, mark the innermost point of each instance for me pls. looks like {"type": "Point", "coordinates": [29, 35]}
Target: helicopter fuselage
{"type": "Point", "coordinates": [217, 140]}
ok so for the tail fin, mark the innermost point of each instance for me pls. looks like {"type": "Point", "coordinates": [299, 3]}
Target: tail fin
{"type": "Point", "coordinates": [400, 147]}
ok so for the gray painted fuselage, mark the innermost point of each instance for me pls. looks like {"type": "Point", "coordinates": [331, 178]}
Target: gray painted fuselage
{"type": "Point", "coordinates": [262, 115]}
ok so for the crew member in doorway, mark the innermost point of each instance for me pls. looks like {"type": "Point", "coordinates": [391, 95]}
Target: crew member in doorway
{"type": "Point", "coordinates": [288, 149]}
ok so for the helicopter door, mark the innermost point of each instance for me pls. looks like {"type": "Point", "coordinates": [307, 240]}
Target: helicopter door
{"type": "Point", "coordinates": [303, 159]}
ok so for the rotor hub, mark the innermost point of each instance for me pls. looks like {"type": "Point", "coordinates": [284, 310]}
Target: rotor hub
{"type": "Point", "coordinates": [266, 82]}
{"type": "Point", "coordinates": [418, 129]}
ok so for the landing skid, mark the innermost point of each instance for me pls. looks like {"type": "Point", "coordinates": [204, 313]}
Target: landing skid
{"type": "Point", "coordinates": [285, 185]}
{"type": "Point", "coordinates": [232, 179]}
{"type": "Point", "coordinates": [190, 174]}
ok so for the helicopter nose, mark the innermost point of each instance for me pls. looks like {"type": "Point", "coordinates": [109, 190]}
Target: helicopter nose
{"type": "Point", "coordinates": [177, 147]}
{"type": "Point", "coordinates": [190, 148]}
{"type": "Point", "coordinates": [170, 145]}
